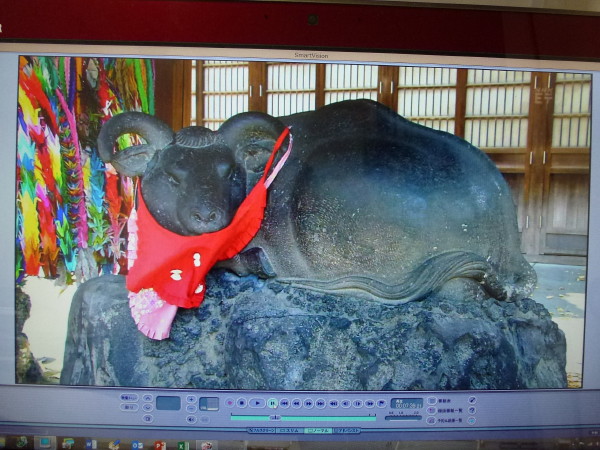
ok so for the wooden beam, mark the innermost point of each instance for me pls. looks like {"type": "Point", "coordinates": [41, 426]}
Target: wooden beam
{"type": "Point", "coordinates": [171, 92]}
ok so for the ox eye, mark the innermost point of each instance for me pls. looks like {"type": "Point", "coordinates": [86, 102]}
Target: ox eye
{"type": "Point", "coordinates": [225, 170]}
{"type": "Point", "coordinates": [173, 179]}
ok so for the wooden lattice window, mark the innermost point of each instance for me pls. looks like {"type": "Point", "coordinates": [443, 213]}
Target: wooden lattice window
{"type": "Point", "coordinates": [219, 91]}
{"type": "Point", "coordinates": [497, 108]}
{"type": "Point", "coordinates": [291, 88]}
{"type": "Point", "coordinates": [350, 82]}
{"type": "Point", "coordinates": [427, 96]}
{"type": "Point", "coordinates": [572, 110]}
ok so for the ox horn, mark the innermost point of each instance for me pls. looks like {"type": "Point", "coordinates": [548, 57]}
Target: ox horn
{"type": "Point", "coordinates": [132, 161]}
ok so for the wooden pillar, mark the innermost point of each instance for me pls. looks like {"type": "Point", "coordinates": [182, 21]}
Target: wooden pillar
{"type": "Point", "coordinates": [461, 102]}
{"type": "Point", "coordinates": [171, 92]}
{"type": "Point", "coordinates": [539, 141]}
{"type": "Point", "coordinates": [199, 83]}
{"type": "Point", "coordinates": [257, 86]}
{"type": "Point", "coordinates": [388, 86]}
{"type": "Point", "coordinates": [320, 86]}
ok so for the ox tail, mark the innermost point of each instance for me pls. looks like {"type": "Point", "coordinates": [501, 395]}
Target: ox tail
{"type": "Point", "coordinates": [430, 276]}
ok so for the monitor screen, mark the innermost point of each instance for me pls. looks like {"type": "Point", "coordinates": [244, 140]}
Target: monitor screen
{"type": "Point", "coordinates": [215, 245]}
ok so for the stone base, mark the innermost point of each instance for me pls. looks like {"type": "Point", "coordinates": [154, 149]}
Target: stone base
{"type": "Point", "coordinates": [255, 334]}
{"type": "Point", "coordinates": [27, 369]}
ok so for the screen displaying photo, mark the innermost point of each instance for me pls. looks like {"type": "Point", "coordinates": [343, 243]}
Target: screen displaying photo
{"type": "Point", "coordinates": [278, 224]}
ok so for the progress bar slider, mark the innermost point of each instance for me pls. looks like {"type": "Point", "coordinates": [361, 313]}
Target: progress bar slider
{"type": "Point", "coordinates": [278, 418]}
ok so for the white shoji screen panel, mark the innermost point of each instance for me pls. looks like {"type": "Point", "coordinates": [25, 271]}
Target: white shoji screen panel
{"type": "Point", "coordinates": [497, 108]}
{"type": "Point", "coordinates": [572, 110]}
{"type": "Point", "coordinates": [225, 92]}
{"type": "Point", "coordinates": [350, 82]}
{"type": "Point", "coordinates": [427, 96]}
{"type": "Point", "coordinates": [290, 88]}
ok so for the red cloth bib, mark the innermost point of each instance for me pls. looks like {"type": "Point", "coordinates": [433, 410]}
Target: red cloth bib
{"type": "Point", "coordinates": [175, 266]}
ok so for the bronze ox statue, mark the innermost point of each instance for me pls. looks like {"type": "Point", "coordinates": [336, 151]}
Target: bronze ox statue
{"type": "Point", "coordinates": [368, 203]}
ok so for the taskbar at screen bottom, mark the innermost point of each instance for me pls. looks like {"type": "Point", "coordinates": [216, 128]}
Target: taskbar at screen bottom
{"type": "Point", "coordinates": [53, 437]}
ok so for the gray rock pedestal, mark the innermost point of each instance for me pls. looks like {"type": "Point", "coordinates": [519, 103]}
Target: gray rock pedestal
{"type": "Point", "coordinates": [27, 369]}
{"type": "Point", "coordinates": [256, 334]}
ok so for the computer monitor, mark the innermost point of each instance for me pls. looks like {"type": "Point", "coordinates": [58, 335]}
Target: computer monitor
{"type": "Point", "coordinates": [424, 268]}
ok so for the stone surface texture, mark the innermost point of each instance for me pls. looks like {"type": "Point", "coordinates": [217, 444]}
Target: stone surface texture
{"type": "Point", "coordinates": [27, 369]}
{"type": "Point", "coordinates": [256, 334]}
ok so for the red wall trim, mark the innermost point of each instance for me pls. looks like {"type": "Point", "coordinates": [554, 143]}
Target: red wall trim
{"type": "Point", "coordinates": [278, 24]}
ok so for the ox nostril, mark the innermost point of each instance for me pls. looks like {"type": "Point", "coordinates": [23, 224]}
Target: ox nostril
{"type": "Point", "coordinates": [204, 217]}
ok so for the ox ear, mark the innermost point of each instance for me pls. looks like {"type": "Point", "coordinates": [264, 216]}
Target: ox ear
{"type": "Point", "coordinates": [132, 161]}
{"type": "Point", "coordinates": [251, 136]}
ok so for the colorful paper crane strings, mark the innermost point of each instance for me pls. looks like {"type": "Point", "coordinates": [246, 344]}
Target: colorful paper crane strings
{"type": "Point", "coordinates": [72, 208]}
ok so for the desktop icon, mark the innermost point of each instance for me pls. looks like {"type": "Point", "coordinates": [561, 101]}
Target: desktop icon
{"type": "Point", "coordinates": [137, 445]}
{"type": "Point", "coordinates": [44, 443]}
{"type": "Point", "coordinates": [2, 442]}
{"type": "Point", "coordinates": [206, 446]}
{"type": "Point", "coordinates": [21, 442]}
{"type": "Point", "coordinates": [114, 445]}
{"type": "Point", "coordinates": [68, 443]}
{"type": "Point", "coordinates": [183, 446]}
{"type": "Point", "coordinates": [91, 444]}
{"type": "Point", "coordinates": [160, 445]}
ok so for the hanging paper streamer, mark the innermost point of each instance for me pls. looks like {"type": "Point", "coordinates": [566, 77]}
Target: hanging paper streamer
{"type": "Point", "coordinates": [68, 200]}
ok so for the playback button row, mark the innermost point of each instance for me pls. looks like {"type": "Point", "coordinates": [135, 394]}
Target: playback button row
{"type": "Point", "coordinates": [306, 403]}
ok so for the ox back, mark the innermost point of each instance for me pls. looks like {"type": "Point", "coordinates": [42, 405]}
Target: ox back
{"type": "Point", "coordinates": [372, 202]}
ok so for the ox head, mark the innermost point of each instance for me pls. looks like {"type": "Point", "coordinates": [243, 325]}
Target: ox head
{"type": "Point", "coordinates": [194, 180]}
